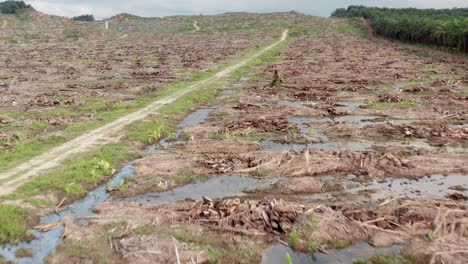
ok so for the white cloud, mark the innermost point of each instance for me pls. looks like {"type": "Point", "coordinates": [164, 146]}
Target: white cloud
{"type": "Point", "coordinates": [61, 9]}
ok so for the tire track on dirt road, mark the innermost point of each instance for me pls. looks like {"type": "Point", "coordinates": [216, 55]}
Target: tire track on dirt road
{"type": "Point", "coordinates": [107, 133]}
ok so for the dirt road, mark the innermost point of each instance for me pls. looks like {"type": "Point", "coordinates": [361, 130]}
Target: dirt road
{"type": "Point", "coordinates": [108, 133]}
{"type": "Point", "coordinates": [196, 26]}
{"type": "Point", "coordinates": [5, 24]}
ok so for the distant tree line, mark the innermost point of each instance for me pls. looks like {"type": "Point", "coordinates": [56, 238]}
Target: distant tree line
{"type": "Point", "coordinates": [442, 27]}
{"type": "Point", "coordinates": [11, 7]}
{"type": "Point", "coordinates": [84, 18]}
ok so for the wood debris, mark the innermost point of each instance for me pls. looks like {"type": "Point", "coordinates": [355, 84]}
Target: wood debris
{"type": "Point", "coordinates": [275, 216]}
{"type": "Point", "coordinates": [280, 125]}
{"type": "Point", "coordinates": [390, 98]}
{"type": "Point", "coordinates": [48, 227]}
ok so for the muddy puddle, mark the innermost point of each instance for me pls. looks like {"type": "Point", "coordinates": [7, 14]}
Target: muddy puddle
{"type": "Point", "coordinates": [276, 254]}
{"type": "Point", "coordinates": [216, 187]}
{"type": "Point", "coordinates": [303, 123]}
{"type": "Point", "coordinates": [429, 186]}
{"type": "Point", "coordinates": [353, 145]}
{"type": "Point", "coordinates": [195, 118]}
{"type": "Point", "coordinates": [436, 186]}
{"type": "Point", "coordinates": [354, 120]}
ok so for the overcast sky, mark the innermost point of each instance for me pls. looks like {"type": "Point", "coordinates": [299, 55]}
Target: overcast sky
{"type": "Point", "coordinates": [158, 8]}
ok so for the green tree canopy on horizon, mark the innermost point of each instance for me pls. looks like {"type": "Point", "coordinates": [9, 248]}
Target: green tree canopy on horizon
{"type": "Point", "coordinates": [11, 7]}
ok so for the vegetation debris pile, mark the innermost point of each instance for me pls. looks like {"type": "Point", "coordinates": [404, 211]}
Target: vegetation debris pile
{"type": "Point", "coordinates": [271, 216]}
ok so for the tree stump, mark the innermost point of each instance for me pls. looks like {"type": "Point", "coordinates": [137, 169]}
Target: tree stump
{"type": "Point", "coordinates": [276, 79]}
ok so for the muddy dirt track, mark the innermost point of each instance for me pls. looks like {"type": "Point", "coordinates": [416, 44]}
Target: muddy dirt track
{"type": "Point", "coordinates": [340, 148]}
{"type": "Point", "coordinates": [108, 133]}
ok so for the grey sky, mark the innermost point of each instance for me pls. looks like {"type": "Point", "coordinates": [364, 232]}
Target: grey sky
{"type": "Point", "coordinates": [159, 8]}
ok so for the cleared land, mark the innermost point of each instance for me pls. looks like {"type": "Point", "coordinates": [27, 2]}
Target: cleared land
{"type": "Point", "coordinates": [330, 140]}
{"type": "Point", "coordinates": [108, 133]}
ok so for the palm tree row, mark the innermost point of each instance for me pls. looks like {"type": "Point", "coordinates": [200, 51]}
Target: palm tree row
{"type": "Point", "coordinates": [442, 27]}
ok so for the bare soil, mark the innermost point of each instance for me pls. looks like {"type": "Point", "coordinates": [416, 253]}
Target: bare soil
{"type": "Point", "coordinates": [110, 131]}
{"type": "Point", "coordinates": [337, 87]}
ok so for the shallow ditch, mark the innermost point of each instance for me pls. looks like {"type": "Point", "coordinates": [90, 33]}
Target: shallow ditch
{"type": "Point", "coordinates": [216, 187]}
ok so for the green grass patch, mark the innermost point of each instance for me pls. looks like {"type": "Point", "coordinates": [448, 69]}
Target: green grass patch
{"type": "Point", "coordinates": [150, 130]}
{"type": "Point", "coordinates": [13, 224]}
{"type": "Point", "coordinates": [260, 173]}
{"type": "Point", "coordinates": [341, 244]}
{"type": "Point", "coordinates": [294, 239]}
{"type": "Point", "coordinates": [78, 175]}
{"type": "Point", "coordinates": [24, 151]}
{"type": "Point", "coordinates": [351, 26]}
{"type": "Point", "coordinates": [183, 178]}
{"type": "Point", "coordinates": [39, 203]}
{"type": "Point", "coordinates": [312, 245]}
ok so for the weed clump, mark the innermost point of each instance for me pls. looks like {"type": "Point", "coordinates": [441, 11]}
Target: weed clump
{"type": "Point", "coordinates": [13, 223]}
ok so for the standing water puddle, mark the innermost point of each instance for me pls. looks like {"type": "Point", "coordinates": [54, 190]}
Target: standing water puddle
{"type": "Point", "coordinates": [347, 106]}
{"type": "Point", "coordinates": [303, 123]}
{"type": "Point", "coordinates": [46, 242]}
{"type": "Point", "coordinates": [216, 187]}
{"type": "Point", "coordinates": [354, 120]}
{"type": "Point", "coordinates": [432, 186]}
{"type": "Point", "coordinates": [276, 254]}
{"type": "Point", "coordinates": [437, 186]}
{"type": "Point", "coordinates": [192, 119]}
{"type": "Point", "coordinates": [356, 145]}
